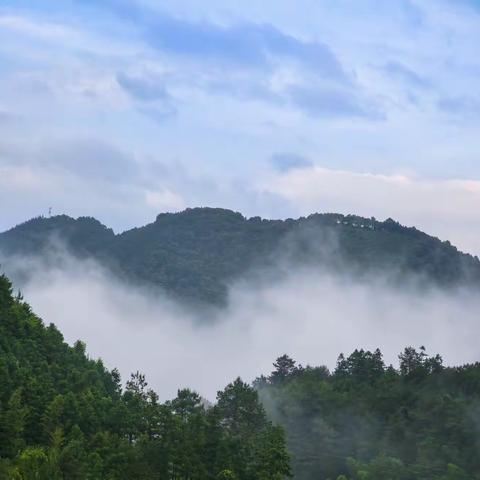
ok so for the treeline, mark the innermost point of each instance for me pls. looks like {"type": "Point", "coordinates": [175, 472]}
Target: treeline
{"type": "Point", "coordinates": [64, 416]}
{"type": "Point", "coordinates": [369, 421]}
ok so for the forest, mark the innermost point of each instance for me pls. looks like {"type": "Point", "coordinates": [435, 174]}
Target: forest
{"type": "Point", "coordinates": [65, 416]}
{"type": "Point", "coordinates": [366, 420]}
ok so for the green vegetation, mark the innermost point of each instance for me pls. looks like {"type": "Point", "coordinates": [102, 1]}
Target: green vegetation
{"type": "Point", "coordinates": [197, 253]}
{"type": "Point", "coordinates": [367, 421]}
{"type": "Point", "coordinates": [63, 416]}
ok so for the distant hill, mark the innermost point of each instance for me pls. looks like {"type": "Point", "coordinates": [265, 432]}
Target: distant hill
{"type": "Point", "coordinates": [196, 254]}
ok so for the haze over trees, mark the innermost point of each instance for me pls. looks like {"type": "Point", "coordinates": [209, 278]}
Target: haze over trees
{"type": "Point", "coordinates": [196, 254]}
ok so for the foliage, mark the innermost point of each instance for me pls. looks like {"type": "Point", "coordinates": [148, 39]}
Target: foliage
{"type": "Point", "coordinates": [367, 421]}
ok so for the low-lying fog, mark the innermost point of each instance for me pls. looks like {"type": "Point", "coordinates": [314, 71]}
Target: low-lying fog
{"type": "Point", "coordinates": [312, 317]}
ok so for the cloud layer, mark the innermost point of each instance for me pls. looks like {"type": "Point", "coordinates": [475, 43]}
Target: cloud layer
{"type": "Point", "coordinates": [311, 317]}
{"type": "Point", "coordinates": [444, 208]}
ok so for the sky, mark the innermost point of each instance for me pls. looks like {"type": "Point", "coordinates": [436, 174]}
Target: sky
{"type": "Point", "coordinates": [124, 109]}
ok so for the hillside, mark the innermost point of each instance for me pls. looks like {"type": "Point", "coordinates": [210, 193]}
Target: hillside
{"type": "Point", "coordinates": [64, 416]}
{"type": "Point", "coordinates": [196, 254]}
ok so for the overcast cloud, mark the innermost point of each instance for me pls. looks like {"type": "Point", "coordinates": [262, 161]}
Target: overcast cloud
{"type": "Point", "coordinates": [310, 316]}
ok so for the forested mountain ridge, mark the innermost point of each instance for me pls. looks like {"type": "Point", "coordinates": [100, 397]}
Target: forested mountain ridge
{"type": "Point", "coordinates": [64, 416]}
{"type": "Point", "coordinates": [196, 254]}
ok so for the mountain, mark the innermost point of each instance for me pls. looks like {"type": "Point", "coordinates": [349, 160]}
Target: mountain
{"type": "Point", "coordinates": [196, 254]}
{"type": "Point", "coordinates": [64, 416]}
{"type": "Point", "coordinates": [84, 236]}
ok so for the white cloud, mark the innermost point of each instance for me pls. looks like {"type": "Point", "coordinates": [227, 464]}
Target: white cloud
{"type": "Point", "coordinates": [309, 316]}
{"type": "Point", "coordinates": [164, 200]}
{"type": "Point", "coordinates": [19, 179]}
{"type": "Point", "coordinates": [36, 28]}
{"type": "Point", "coordinates": [446, 208]}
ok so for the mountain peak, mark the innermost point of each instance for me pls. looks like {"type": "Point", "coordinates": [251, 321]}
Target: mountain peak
{"type": "Point", "coordinates": [203, 213]}
{"type": "Point", "coordinates": [36, 234]}
{"type": "Point", "coordinates": [197, 253]}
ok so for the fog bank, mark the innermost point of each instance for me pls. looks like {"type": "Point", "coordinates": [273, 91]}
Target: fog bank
{"type": "Point", "coordinates": [311, 316]}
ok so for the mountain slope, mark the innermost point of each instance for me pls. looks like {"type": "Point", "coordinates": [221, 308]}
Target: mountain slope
{"type": "Point", "coordinates": [83, 235]}
{"type": "Point", "coordinates": [64, 416]}
{"type": "Point", "coordinates": [197, 253]}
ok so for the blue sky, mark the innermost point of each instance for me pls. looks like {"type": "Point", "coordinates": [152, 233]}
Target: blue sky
{"type": "Point", "coordinates": [123, 109]}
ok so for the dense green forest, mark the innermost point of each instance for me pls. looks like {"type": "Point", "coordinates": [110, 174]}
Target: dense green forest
{"type": "Point", "coordinates": [369, 421]}
{"type": "Point", "coordinates": [64, 416]}
{"type": "Point", "coordinates": [196, 254]}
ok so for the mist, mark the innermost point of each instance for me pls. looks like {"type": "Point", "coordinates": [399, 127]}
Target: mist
{"type": "Point", "coordinates": [311, 316]}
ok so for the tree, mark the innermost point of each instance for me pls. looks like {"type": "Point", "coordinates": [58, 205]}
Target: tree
{"type": "Point", "coordinates": [12, 425]}
{"type": "Point", "coordinates": [74, 458]}
{"type": "Point", "coordinates": [380, 468]}
{"type": "Point", "coordinates": [285, 367]}
{"type": "Point", "coordinates": [455, 473]}
{"type": "Point", "coordinates": [361, 365]}
{"type": "Point", "coordinates": [188, 436]}
{"type": "Point", "coordinates": [250, 446]}
{"type": "Point", "coordinates": [273, 461]}
{"type": "Point", "coordinates": [33, 464]}
{"type": "Point", "coordinates": [415, 364]}
{"type": "Point", "coordinates": [239, 409]}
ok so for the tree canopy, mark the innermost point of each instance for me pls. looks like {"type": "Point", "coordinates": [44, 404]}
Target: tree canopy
{"type": "Point", "coordinates": [369, 421]}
